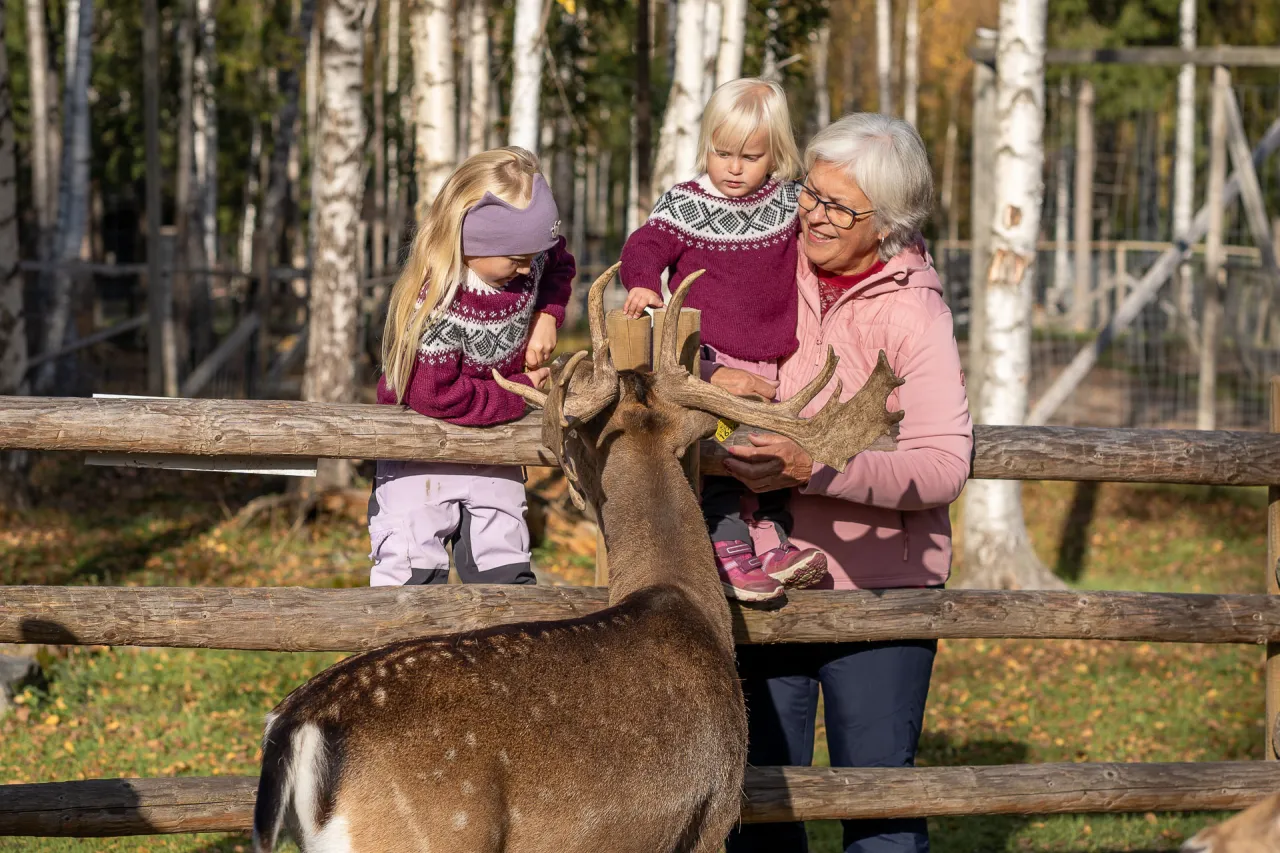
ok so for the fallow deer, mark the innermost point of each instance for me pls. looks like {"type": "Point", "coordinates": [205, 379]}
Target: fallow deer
{"type": "Point", "coordinates": [1254, 830]}
{"type": "Point", "coordinates": [622, 731]}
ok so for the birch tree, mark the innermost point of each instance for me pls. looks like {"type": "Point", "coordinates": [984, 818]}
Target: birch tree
{"type": "Point", "coordinates": [395, 220]}
{"type": "Point", "coordinates": [911, 62]}
{"type": "Point", "coordinates": [711, 31]}
{"type": "Point", "coordinates": [43, 187]}
{"type": "Point", "coordinates": [998, 553]}
{"type": "Point", "coordinates": [13, 323]}
{"type": "Point", "coordinates": [884, 54]}
{"type": "Point", "coordinates": [526, 77]}
{"type": "Point", "coordinates": [73, 189]}
{"type": "Point", "coordinates": [678, 140]}
{"type": "Point", "coordinates": [733, 32]}
{"type": "Point", "coordinates": [431, 35]}
{"type": "Point", "coordinates": [1184, 180]}
{"type": "Point", "coordinates": [478, 64]}
{"type": "Point", "coordinates": [204, 116]}
{"type": "Point", "coordinates": [821, 61]}
{"type": "Point", "coordinates": [335, 281]}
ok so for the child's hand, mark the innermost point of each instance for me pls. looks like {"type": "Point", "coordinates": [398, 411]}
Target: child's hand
{"type": "Point", "coordinates": [538, 376]}
{"type": "Point", "coordinates": [638, 299]}
{"type": "Point", "coordinates": [542, 341]}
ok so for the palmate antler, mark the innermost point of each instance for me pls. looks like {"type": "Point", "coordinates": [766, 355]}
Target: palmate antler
{"type": "Point", "coordinates": [837, 433]}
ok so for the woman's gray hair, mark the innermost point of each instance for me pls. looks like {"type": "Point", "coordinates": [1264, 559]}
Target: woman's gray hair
{"type": "Point", "coordinates": [886, 158]}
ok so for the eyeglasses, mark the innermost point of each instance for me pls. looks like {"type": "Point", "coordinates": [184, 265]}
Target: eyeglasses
{"type": "Point", "coordinates": [837, 214]}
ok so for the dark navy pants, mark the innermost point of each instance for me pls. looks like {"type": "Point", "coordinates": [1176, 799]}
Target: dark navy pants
{"type": "Point", "coordinates": [873, 695]}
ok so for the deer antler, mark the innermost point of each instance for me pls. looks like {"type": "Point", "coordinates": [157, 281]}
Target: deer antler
{"type": "Point", "coordinates": [834, 435]}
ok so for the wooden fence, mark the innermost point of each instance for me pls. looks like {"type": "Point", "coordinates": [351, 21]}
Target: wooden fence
{"type": "Point", "coordinates": [296, 619]}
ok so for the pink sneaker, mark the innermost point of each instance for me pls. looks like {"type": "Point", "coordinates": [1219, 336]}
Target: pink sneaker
{"type": "Point", "coordinates": [792, 567]}
{"type": "Point", "coordinates": [741, 574]}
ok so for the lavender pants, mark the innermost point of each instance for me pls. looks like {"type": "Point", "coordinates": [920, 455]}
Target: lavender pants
{"type": "Point", "coordinates": [418, 507]}
{"type": "Point", "coordinates": [722, 497]}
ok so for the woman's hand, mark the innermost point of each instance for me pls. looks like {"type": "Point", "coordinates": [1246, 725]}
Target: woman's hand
{"type": "Point", "coordinates": [538, 376]}
{"type": "Point", "coordinates": [638, 299]}
{"type": "Point", "coordinates": [740, 383]}
{"type": "Point", "coordinates": [774, 462]}
{"type": "Point", "coordinates": [542, 341]}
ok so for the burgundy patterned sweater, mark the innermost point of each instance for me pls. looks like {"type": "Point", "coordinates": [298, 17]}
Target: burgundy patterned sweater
{"type": "Point", "coordinates": [747, 245]}
{"type": "Point", "coordinates": [485, 329]}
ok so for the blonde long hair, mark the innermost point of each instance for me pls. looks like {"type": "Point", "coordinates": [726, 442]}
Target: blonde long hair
{"type": "Point", "coordinates": [739, 108]}
{"type": "Point", "coordinates": [430, 277]}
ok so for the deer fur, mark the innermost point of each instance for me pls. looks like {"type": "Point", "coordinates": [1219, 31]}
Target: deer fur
{"type": "Point", "coordinates": [1254, 830]}
{"type": "Point", "coordinates": [622, 731]}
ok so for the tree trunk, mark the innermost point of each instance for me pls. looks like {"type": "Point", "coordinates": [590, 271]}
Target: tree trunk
{"type": "Point", "coordinates": [182, 255]}
{"type": "Point", "coordinates": [1184, 175]}
{"type": "Point", "coordinates": [733, 31]}
{"type": "Point", "coordinates": [162, 361]}
{"type": "Point", "coordinates": [678, 143]}
{"type": "Point", "coordinates": [642, 153]}
{"type": "Point", "coordinates": [998, 552]}
{"type": "Point", "coordinates": [1214, 270]}
{"type": "Point", "coordinates": [395, 219]}
{"type": "Point", "coordinates": [335, 282]}
{"type": "Point", "coordinates": [821, 86]}
{"type": "Point", "coordinates": [378, 227]}
{"type": "Point", "coordinates": [769, 64]}
{"type": "Point", "coordinates": [712, 25]}
{"type": "Point", "coordinates": [431, 25]}
{"type": "Point", "coordinates": [13, 321]}
{"type": "Point", "coordinates": [478, 61]}
{"type": "Point", "coordinates": [42, 188]}
{"type": "Point", "coordinates": [204, 117]}
{"type": "Point", "coordinates": [526, 78]}
{"type": "Point", "coordinates": [884, 54]}
{"type": "Point", "coordinates": [1062, 278]}
{"type": "Point", "coordinates": [911, 62]}
{"type": "Point", "coordinates": [1082, 302]}
{"type": "Point", "coordinates": [73, 190]}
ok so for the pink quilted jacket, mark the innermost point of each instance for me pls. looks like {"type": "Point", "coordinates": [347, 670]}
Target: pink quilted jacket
{"type": "Point", "coordinates": [883, 522]}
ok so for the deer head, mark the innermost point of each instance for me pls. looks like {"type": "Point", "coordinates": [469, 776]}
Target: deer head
{"type": "Point", "coordinates": [587, 404]}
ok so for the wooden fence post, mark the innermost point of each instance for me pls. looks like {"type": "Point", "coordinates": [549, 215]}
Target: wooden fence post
{"type": "Point", "coordinates": [1273, 587]}
{"type": "Point", "coordinates": [630, 345]}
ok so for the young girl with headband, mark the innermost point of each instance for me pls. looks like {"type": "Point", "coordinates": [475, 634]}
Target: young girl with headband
{"type": "Point", "coordinates": [484, 289]}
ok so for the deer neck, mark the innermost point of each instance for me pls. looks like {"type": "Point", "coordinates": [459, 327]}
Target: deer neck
{"type": "Point", "coordinates": [654, 531]}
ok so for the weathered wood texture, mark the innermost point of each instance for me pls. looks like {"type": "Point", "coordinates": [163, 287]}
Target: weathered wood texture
{"type": "Point", "coordinates": [298, 619]}
{"type": "Point", "coordinates": [338, 430]}
{"type": "Point", "coordinates": [112, 807]}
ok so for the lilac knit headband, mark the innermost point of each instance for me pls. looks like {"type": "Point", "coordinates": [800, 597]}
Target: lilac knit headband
{"type": "Point", "coordinates": [493, 227]}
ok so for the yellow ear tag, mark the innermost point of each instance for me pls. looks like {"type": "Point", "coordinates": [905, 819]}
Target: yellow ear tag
{"type": "Point", "coordinates": [724, 429]}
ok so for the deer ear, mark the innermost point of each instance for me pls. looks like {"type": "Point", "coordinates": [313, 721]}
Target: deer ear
{"type": "Point", "coordinates": [694, 425]}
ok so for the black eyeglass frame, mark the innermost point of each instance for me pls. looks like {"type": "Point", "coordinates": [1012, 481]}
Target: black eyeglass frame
{"type": "Point", "coordinates": [802, 187]}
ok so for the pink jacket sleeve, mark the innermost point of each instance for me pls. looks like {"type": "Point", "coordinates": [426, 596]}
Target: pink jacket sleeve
{"type": "Point", "coordinates": [935, 439]}
{"type": "Point", "coordinates": [557, 282]}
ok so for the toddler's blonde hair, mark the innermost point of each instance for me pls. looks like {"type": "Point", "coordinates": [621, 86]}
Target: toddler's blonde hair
{"type": "Point", "coordinates": [435, 265]}
{"type": "Point", "coordinates": [736, 110]}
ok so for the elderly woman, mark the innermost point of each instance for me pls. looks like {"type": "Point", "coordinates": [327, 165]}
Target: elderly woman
{"type": "Point", "coordinates": [866, 284]}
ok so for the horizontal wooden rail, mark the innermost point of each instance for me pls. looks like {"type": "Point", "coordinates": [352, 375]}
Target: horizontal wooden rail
{"type": "Point", "coordinates": [355, 431]}
{"type": "Point", "coordinates": [298, 619]}
{"type": "Point", "coordinates": [110, 807]}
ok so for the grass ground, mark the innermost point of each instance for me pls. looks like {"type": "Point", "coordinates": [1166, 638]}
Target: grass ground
{"type": "Point", "coordinates": [135, 712]}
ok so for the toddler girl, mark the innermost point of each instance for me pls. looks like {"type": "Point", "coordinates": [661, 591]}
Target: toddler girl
{"type": "Point", "coordinates": [738, 221]}
{"type": "Point", "coordinates": [484, 288]}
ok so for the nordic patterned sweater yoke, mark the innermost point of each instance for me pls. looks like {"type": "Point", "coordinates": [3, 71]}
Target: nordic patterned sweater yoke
{"type": "Point", "coordinates": [747, 246]}
{"type": "Point", "coordinates": [485, 329]}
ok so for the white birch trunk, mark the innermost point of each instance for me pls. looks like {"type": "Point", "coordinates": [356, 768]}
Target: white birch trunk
{"type": "Point", "coordinates": [205, 118]}
{"type": "Point", "coordinates": [13, 322]}
{"type": "Point", "coordinates": [712, 23]}
{"type": "Point", "coordinates": [73, 189]}
{"type": "Point", "coordinates": [478, 62]}
{"type": "Point", "coordinates": [678, 142]}
{"type": "Point", "coordinates": [998, 553]}
{"type": "Point", "coordinates": [821, 86]}
{"type": "Point", "coordinates": [911, 62]}
{"type": "Point", "coordinates": [1214, 270]}
{"type": "Point", "coordinates": [244, 252]}
{"type": "Point", "coordinates": [733, 32]}
{"type": "Point", "coordinates": [395, 221]}
{"type": "Point", "coordinates": [1062, 269]}
{"type": "Point", "coordinates": [884, 54]}
{"type": "Point", "coordinates": [431, 28]}
{"type": "Point", "coordinates": [1184, 175]}
{"type": "Point", "coordinates": [769, 63]}
{"type": "Point", "coordinates": [43, 188]}
{"type": "Point", "coordinates": [526, 78]}
{"type": "Point", "coordinates": [335, 283]}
